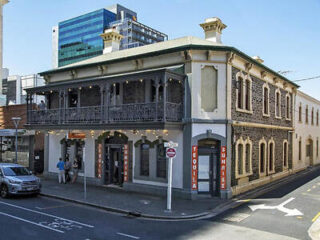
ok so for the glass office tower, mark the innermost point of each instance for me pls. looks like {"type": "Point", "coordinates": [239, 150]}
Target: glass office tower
{"type": "Point", "coordinates": [79, 37]}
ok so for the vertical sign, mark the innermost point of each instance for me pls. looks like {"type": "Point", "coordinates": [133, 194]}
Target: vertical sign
{"type": "Point", "coordinates": [194, 165]}
{"type": "Point", "coordinates": [126, 162]}
{"type": "Point", "coordinates": [99, 160]}
{"type": "Point", "coordinates": [223, 167]}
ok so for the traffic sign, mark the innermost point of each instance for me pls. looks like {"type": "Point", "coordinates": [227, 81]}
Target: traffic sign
{"type": "Point", "coordinates": [171, 153]}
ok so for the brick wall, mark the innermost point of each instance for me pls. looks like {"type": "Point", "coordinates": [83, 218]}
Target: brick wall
{"type": "Point", "coordinates": [7, 112]}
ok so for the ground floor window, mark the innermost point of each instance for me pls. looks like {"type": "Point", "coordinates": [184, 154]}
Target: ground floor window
{"type": "Point", "coordinates": [285, 153]}
{"type": "Point", "coordinates": [243, 157]}
{"type": "Point", "coordinates": [262, 157]}
{"type": "Point", "coordinates": [271, 156]}
{"type": "Point", "coordinates": [300, 149]}
{"type": "Point", "coordinates": [144, 159]}
{"type": "Point", "coordinates": [161, 161]}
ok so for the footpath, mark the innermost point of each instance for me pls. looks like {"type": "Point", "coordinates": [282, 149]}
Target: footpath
{"type": "Point", "coordinates": [116, 200]}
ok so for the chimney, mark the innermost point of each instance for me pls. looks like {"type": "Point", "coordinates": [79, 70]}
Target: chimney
{"type": "Point", "coordinates": [111, 38]}
{"type": "Point", "coordinates": [258, 59]}
{"type": "Point", "coordinates": [212, 28]}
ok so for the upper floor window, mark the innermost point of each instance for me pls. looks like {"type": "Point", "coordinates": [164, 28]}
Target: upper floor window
{"type": "Point", "coordinates": [278, 104]}
{"type": "Point", "coordinates": [288, 106]}
{"type": "Point", "coordinates": [209, 85]}
{"type": "Point", "coordinates": [317, 118]}
{"type": "Point", "coordinates": [300, 113]}
{"type": "Point", "coordinates": [243, 93]}
{"type": "Point", "coordinates": [265, 100]}
{"type": "Point", "coordinates": [307, 114]}
{"type": "Point", "coordinates": [312, 116]}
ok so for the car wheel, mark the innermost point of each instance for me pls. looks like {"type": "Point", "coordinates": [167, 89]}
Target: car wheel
{"type": "Point", "coordinates": [4, 191]}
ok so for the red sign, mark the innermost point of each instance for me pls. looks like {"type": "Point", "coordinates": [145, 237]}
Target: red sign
{"type": "Point", "coordinates": [126, 162]}
{"type": "Point", "coordinates": [99, 160]}
{"type": "Point", "coordinates": [76, 135]}
{"type": "Point", "coordinates": [171, 153]}
{"type": "Point", "coordinates": [194, 166]}
{"type": "Point", "coordinates": [223, 166]}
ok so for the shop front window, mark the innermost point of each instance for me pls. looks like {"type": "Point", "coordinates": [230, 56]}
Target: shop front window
{"type": "Point", "coordinates": [161, 161]}
{"type": "Point", "coordinates": [144, 159]}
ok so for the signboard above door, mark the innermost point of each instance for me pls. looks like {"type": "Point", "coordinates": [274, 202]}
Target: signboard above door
{"type": "Point", "coordinates": [72, 135]}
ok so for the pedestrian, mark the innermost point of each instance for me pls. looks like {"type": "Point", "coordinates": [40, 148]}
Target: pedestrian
{"type": "Point", "coordinates": [67, 168]}
{"type": "Point", "coordinates": [42, 105]}
{"type": "Point", "coordinates": [60, 166]}
{"type": "Point", "coordinates": [76, 166]}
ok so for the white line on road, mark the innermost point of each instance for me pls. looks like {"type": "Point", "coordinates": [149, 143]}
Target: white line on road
{"type": "Point", "coordinates": [46, 214]}
{"type": "Point", "coordinates": [127, 235]}
{"type": "Point", "coordinates": [27, 221]}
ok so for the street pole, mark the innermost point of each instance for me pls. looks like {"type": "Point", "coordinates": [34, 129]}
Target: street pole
{"type": "Point", "coordinates": [16, 121]}
{"type": "Point", "coordinates": [169, 185]}
{"type": "Point", "coordinates": [84, 173]}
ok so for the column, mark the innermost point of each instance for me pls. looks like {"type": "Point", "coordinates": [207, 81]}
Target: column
{"type": "Point", "coordinates": [101, 103]}
{"type": "Point", "coordinates": [157, 85]}
{"type": "Point", "coordinates": [28, 109]}
{"type": "Point", "coordinates": [164, 83]}
{"type": "Point", "coordinates": [107, 102]}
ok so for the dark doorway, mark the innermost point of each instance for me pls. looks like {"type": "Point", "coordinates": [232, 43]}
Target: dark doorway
{"type": "Point", "coordinates": [209, 167]}
{"type": "Point", "coordinates": [114, 164]}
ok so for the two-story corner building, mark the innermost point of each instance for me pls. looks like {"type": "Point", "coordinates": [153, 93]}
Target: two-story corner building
{"type": "Point", "coordinates": [307, 132]}
{"type": "Point", "coordinates": [229, 113]}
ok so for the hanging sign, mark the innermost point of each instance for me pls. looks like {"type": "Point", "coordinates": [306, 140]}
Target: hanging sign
{"type": "Point", "coordinates": [99, 160]}
{"type": "Point", "coordinates": [223, 166]}
{"type": "Point", "coordinates": [194, 171]}
{"type": "Point", "coordinates": [126, 162]}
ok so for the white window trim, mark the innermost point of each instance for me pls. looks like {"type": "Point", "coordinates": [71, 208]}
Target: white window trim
{"type": "Point", "coordinates": [287, 160]}
{"type": "Point", "coordinates": [265, 85]}
{"type": "Point", "coordinates": [244, 172]}
{"type": "Point", "coordinates": [277, 113]}
{"type": "Point", "coordinates": [264, 172]}
{"type": "Point", "coordinates": [243, 97]}
{"type": "Point", "coordinates": [273, 159]}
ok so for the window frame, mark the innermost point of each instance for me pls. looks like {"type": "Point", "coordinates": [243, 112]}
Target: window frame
{"type": "Point", "coordinates": [300, 113]}
{"type": "Point", "coordinates": [141, 165]}
{"type": "Point", "coordinates": [307, 115]}
{"type": "Point", "coordinates": [285, 142]}
{"type": "Point", "coordinates": [312, 116]}
{"type": "Point", "coordinates": [288, 107]}
{"type": "Point", "coordinates": [242, 82]}
{"type": "Point", "coordinates": [264, 172]}
{"type": "Point", "coordinates": [277, 104]}
{"type": "Point", "coordinates": [244, 143]}
{"type": "Point", "coordinates": [265, 86]}
{"type": "Point", "coordinates": [271, 141]}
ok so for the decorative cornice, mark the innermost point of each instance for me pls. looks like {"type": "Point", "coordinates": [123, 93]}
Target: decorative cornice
{"type": "Point", "coordinates": [231, 57]}
{"type": "Point", "coordinates": [73, 73]}
{"type": "Point", "coordinates": [213, 24]}
{"type": "Point", "coordinates": [102, 69]}
{"type": "Point", "coordinates": [263, 74]}
{"type": "Point", "coordinates": [248, 67]}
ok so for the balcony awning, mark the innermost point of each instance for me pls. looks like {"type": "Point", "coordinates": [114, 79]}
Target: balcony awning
{"type": "Point", "coordinates": [174, 71]}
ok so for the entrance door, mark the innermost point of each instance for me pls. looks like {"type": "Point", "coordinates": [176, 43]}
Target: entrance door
{"type": "Point", "coordinates": [208, 171]}
{"type": "Point", "coordinates": [114, 165]}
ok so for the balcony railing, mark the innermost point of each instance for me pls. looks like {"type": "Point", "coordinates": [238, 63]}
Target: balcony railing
{"type": "Point", "coordinates": [138, 112]}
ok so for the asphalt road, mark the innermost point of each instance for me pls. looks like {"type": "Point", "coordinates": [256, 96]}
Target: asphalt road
{"type": "Point", "coordinates": [44, 218]}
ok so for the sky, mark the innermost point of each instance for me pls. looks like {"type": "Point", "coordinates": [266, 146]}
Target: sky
{"type": "Point", "coordinates": [285, 34]}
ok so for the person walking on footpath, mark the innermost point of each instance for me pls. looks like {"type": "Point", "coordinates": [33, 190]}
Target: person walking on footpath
{"type": "Point", "coordinates": [67, 168]}
{"type": "Point", "coordinates": [76, 166]}
{"type": "Point", "coordinates": [60, 166]}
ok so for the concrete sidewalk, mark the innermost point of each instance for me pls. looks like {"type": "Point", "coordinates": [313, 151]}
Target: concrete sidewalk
{"type": "Point", "coordinates": [118, 200]}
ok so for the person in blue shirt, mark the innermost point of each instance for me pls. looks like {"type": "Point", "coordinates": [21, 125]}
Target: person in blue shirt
{"type": "Point", "coordinates": [61, 175]}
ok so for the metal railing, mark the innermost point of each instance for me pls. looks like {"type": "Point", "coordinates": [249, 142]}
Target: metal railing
{"type": "Point", "coordinates": [137, 112]}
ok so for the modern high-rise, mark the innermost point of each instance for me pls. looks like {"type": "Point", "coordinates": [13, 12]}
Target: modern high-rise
{"type": "Point", "coordinates": [79, 38]}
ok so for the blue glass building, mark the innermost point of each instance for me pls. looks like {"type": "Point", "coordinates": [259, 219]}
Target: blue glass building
{"type": "Point", "coordinates": [79, 37]}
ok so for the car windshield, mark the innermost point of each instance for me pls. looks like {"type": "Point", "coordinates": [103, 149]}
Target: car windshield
{"type": "Point", "coordinates": [15, 171]}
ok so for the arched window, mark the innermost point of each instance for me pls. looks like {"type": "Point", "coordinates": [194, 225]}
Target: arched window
{"type": "Point", "coordinates": [317, 118]}
{"type": "Point", "coordinates": [265, 96]}
{"type": "Point", "coordinates": [285, 154]}
{"type": "Point", "coordinates": [209, 91]}
{"type": "Point", "coordinates": [300, 148]}
{"type": "Point", "coordinates": [288, 107]}
{"type": "Point", "coordinates": [243, 157]}
{"type": "Point", "coordinates": [144, 159]}
{"type": "Point", "coordinates": [278, 104]}
{"type": "Point", "coordinates": [300, 113]}
{"type": "Point", "coordinates": [307, 113]}
{"type": "Point", "coordinates": [240, 92]}
{"type": "Point", "coordinates": [312, 116]}
{"type": "Point", "coordinates": [248, 93]}
{"type": "Point", "coordinates": [262, 157]}
{"type": "Point", "coordinates": [271, 147]}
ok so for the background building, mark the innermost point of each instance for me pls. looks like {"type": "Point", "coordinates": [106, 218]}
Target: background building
{"type": "Point", "coordinates": [2, 2]}
{"type": "Point", "coordinates": [79, 38]}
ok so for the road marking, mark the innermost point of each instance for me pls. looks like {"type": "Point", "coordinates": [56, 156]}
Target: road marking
{"type": "Point", "coordinates": [315, 217]}
{"type": "Point", "coordinates": [127, 235]}
{"type": "Point", "coordinates": [237, 217]}
{"type": "Point", "coordinates": [45, 214]}
{"type": "Point", "coordinates": [57, 206]}
{"type": "Point", "coordinates": [27, 221]}
{"type": "Point", "coordinates": [280, 207]}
